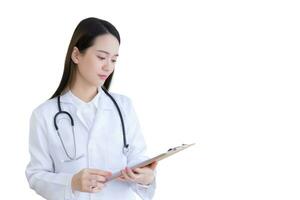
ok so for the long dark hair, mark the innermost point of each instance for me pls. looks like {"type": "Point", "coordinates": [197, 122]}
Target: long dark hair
{"type": "Point", "coordinates": [83, 37]}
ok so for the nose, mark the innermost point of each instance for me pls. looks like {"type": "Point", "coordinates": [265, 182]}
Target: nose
{"type": "Point", "coordinates": [107, 66]}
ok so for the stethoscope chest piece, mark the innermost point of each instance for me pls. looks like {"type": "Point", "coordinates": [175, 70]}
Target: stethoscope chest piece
{"type": "Point", "coordinates": [126, 150]}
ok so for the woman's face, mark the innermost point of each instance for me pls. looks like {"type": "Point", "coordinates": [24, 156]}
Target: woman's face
{"type": "Point", "coordinates": [98, 61]}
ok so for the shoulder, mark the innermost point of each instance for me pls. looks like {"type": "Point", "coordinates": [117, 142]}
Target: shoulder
{"type": "Point", "coordinates": [121, 98]}
{"type": "Point", "coordinates": [125, 103]}
{"type": "Point", "coordinates": [45, 107]}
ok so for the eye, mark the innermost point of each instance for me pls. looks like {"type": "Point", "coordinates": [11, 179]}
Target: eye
{"type": "Point", "coordinates": [101, 58]}
{"type": "Point", "coordinates": [114, 61]}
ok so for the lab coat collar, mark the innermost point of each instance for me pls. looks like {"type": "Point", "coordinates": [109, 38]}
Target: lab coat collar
{"type": "Point", "coordinates": [102, 101]}
{"type": "Point", "coordinates": [79, 103]}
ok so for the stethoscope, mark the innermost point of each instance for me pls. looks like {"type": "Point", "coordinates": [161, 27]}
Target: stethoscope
{"type": "Point", "coordinates": [74, 157]}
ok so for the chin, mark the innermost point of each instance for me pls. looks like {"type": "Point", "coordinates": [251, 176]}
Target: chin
{"type": "Point", "coordinates": [100, 83]}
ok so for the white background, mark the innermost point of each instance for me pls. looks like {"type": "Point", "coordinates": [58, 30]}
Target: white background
{"type": "Point", "coordinates": [222, 74]}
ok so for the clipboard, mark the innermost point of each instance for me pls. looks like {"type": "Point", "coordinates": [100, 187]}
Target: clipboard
{"type": "Point", "coordinates": [162, 156]}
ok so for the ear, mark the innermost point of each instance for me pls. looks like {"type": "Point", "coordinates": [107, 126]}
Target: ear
{"type": "Point", "coordinates": [75, 55]}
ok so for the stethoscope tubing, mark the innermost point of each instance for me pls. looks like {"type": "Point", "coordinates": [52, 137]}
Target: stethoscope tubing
{"type": "Point", "coordinates": [60, 111]}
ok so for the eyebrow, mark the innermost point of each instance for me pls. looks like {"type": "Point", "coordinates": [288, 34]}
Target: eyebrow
{"type": "Point", "coordinates": [107, 52]}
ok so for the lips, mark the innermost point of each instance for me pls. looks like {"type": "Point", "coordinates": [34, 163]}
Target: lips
{"type": "Point", "coordinates": [103, 77]}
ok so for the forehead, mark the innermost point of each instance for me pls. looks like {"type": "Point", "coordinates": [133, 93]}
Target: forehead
{"type": "Point", "coordinates": [106, 43]}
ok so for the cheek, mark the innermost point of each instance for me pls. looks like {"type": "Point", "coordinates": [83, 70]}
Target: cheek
{"type": "Point", "coordinates": [89, 67]}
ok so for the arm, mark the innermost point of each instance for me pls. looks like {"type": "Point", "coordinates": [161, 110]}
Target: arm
{"type": "Point", "coordinates": [137, 152]}
{"type": "Point", "coordinates": [40, 171]}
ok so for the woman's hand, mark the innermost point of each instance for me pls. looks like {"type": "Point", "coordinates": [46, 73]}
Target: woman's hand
{"type": "Point", "coordinates": [90, 180]}
{"type": "Point", "coordinates": [144, 176]}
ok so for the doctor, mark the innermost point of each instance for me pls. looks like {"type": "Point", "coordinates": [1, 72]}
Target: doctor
{"type": "Point", "coordinates": [83, 133]}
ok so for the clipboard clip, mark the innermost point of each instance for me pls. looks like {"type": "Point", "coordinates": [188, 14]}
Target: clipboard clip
{"type": "Point", "coordinates": [175, 148]}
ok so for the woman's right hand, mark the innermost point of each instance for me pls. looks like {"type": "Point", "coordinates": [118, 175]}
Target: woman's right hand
{"type": "Point", "coordinates": [89, 180]}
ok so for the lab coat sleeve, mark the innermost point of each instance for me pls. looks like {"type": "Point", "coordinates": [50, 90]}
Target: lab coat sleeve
{"type": "Point", "coordinates": [137, 152]}
{"type": "Point", "coordinates": [40, 170]}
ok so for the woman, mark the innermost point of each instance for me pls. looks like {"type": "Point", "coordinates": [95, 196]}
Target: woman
{"type": "Point", "coordinates": [83, 134]}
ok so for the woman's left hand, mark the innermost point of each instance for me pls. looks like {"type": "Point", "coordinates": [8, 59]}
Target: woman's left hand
{"type": "Point", "coordinates": [144, 175]}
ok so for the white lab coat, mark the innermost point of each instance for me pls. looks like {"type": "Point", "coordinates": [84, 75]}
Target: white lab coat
{"type": "Point", "coordinates": [102, 146]}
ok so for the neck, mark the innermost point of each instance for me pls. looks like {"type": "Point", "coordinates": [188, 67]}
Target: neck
{"type": "Point", "coordinates": [83, 90]}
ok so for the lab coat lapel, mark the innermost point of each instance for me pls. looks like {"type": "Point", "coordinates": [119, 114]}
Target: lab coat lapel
{"type": "Point", "coordinates": [104, 106]}
{"type": "Point", "coordinates": [67, 101]}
